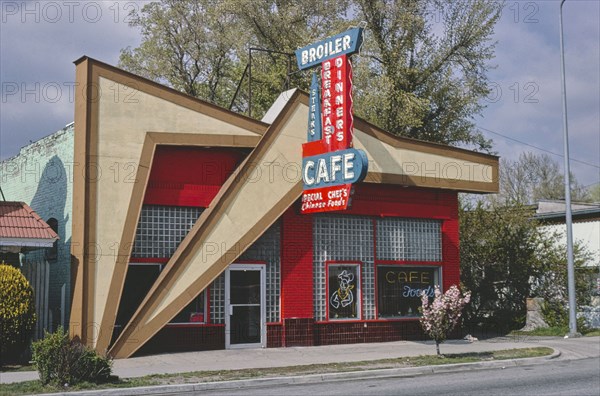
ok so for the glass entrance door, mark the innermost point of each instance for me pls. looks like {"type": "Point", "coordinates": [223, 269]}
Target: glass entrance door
{"type": "Point", "coordinates": [245, 306]}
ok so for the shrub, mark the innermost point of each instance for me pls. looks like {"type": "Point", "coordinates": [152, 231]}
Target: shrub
{"type": "Point", "coordinates": [17, 310]}
{"type": "Point", "coordinates": [443, 314]}
{"type": "Point", "coordinates": [61, 361]}
{"type": "Point", "coordinates": [556, 314]}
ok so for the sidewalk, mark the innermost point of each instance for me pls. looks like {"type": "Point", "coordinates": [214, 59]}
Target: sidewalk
{"type": "Point", "coordinates": [235, 359]}
{"type": "Point", "coordinates": [293, 356]}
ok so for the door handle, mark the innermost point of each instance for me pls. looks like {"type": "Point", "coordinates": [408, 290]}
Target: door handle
{"type": "Point", "coordinates": [230, 310]}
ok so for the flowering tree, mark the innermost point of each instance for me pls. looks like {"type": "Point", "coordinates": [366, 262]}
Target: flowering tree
{"type": "Point", "coordinates": [442, 315]}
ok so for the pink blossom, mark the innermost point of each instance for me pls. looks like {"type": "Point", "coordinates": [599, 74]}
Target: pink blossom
{"type": "Point", "coordinates": [441, 315]}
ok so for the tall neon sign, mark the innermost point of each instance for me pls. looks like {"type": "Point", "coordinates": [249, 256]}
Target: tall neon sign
{"type": "Point", "coordinates": [330, 164]}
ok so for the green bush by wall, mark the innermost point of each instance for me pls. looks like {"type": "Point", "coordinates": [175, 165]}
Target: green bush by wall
{"type": "Point", "coordinates": [61, 361]}
{"type": "Point", "coordinates": [17, 312]}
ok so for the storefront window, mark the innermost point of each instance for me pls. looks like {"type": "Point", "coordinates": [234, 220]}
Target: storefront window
{"type": "Point", "coordinates": [193, 313]}
{"type": "Point", "coordinates": [138, 281]}
{"type": "Point", "coordinates": [399, 289]}
{"type": "Point", "coordinates": [343, 291]}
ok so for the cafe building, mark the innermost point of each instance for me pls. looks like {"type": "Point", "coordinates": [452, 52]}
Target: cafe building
{"type": "Point", "coordinates": [193, 228]}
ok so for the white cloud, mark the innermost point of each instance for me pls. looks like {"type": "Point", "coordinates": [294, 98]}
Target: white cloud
{"type": "Point", "coordinates": [36, 50]}
{"type": "Point", "coordinates": [39, 41]}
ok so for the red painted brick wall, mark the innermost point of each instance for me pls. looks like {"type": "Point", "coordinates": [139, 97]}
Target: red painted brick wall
{"type": "Point", "coordinates": [397, 201]}
{"type": "Point", "coordinates": [377, 200]}
{"type": "Point", "coordinates": [189, 176]}
{"type": "Point", "coordinates": [296, 265]}
{"type": "Point", "coordinates": [450, 248]}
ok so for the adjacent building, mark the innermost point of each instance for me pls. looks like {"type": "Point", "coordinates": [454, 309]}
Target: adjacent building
{"type": "Point", "coordinates": [41, 175]}
{"type": "Point", "coordinates": [23, 234]}
{"type": "Point", "coordinates": [586, 234]}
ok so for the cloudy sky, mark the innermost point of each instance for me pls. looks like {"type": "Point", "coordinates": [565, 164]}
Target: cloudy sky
{"type": "Point", "coordinates": [39, 40]}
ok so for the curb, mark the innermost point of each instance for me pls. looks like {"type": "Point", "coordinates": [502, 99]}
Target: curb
{"type": "Point", "coordinates": [316, 378]}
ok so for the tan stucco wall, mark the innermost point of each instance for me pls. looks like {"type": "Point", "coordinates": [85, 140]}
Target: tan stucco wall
{"type": "Point", "coordinates": [420, 165]}
{"type": "Point", "coordinates": [122, 127]}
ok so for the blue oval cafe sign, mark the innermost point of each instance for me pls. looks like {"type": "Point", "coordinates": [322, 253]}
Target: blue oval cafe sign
{"type": "Point", "coordinates": [330, 164]}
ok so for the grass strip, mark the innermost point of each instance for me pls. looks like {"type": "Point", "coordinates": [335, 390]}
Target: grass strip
{"type": "Point", "coordinates": [556, 331]}
{"type": "Point", "coordinates": [33, 387]}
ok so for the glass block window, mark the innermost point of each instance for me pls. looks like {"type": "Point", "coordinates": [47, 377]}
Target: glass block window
{"type": "Point", "coordinates": [343, 238]}
{"type": "Point", "coordinates": [409, 239]}
{"type": "Point", "coordinates": [217, 300]}
{"type": "Point", "coordinates": [266, 249]}
{"type": "Point", "coordinates": [161, 229]}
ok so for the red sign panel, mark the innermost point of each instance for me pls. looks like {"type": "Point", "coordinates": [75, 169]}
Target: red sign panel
{"type": "Point", "coordinates": [336, 106]}
{"type": "Point", "coordinates": [326, 199]}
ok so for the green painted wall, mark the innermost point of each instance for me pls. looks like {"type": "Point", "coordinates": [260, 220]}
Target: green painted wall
{"type": "Point", "coordinates": [41, 175]}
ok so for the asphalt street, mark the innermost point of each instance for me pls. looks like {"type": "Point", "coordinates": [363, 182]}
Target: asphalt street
{"type": "Point", "coordinates": [559, 377]}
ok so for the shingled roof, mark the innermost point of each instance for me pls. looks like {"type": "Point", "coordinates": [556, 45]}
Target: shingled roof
{"type": "Point", "coordinates": [21, 226]}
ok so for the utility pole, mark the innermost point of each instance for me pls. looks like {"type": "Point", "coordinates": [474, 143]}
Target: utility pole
{"type": "Point", "coordinates": [568, 217]}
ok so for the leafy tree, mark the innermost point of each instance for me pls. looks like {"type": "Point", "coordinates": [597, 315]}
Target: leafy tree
{"type": "Point", "coordinates": [498, 257]}
{"type": "Point", "coordinates": [201, 47]}
{"type": "Point", "coordinates": [428, 62]}
{"type": "Point", "coordinates": [421, 74]}
{"type": "Point", "coordinates": [594, 192]}
{"type": "Point", "coordinates": [507, 257]}
{"type": "Point", "coordinates": [188, 45]}
{"type": "Point", "coordinates": [535, 177]}
{"type": "Point", "coordinates": [284, 26]}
